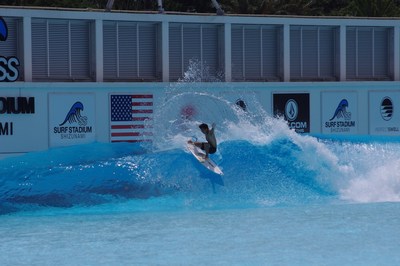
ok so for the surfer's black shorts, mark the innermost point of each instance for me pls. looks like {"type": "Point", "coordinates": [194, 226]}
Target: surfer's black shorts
{"type": "Point", "coordinates": [211, 150]}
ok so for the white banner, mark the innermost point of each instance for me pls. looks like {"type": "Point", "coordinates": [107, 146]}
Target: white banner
{"type": "Point", "coordinates": [72, 119]}
{"type": "Point", "coordinates": [384, 113]}
{"type": "Point", "coordinates": [339, 112]}
{"type": "Point", "coordinates": [23, 121]}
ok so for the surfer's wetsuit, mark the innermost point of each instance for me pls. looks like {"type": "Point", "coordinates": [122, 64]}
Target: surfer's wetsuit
{"type": "Point", "coordinates": [211, 150]}
{"type": "Point", "coordinates": [212, 141]}
{"type": "Point", "coordinates": [210, 146]}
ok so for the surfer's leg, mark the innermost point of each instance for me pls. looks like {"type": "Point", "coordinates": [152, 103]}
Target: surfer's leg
{"type": "Point", "coordinates": [198, 145]}
{"type": "Point", "coordinates": [206, 149]}
{"type": "Point", "coordinates": [212, 150]}
{"type": "Point", "coordinates": [205, 146]}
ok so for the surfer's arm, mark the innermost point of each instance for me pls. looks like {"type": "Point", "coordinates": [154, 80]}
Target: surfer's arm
{"type": "Point", "coordinates": [212, 127]}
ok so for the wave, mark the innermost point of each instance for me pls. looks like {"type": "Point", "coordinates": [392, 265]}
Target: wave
{"type": "Point", "coordinates": [285, 171]}
{"type": "Point", "coordinates": [264, 163]}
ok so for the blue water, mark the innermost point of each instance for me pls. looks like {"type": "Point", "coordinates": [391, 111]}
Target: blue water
{"type": "Point", "coordinates": [284, 199]}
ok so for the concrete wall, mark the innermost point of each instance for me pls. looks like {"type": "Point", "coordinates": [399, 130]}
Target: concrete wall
{"type": "Point", "coordinates": [37, 116]}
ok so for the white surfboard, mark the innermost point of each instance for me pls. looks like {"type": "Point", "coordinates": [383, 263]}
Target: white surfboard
{"type": "Point", "coordinates": [208, 163]}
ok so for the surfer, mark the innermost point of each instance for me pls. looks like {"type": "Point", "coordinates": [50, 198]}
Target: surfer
{"type": "Point", "coordinates": [210, 146]}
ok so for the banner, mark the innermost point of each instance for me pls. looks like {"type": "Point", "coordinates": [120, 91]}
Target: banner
{"type": "Point", "coordinates": [384, 113]}
{"type": "Point", "coordinates": [23, 122]}
{"type": "Point", "coordinates": [131, 117]}
{"type": "Point", "coordinates": [339, 112]}
{"type": "Point", "coordinates": [72, 119]}
{"type": "Point", "coordinates": [295, 108]}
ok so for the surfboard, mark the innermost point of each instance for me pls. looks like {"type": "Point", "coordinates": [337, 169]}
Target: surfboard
{"type": "Point", "coordinates": [207, 163]}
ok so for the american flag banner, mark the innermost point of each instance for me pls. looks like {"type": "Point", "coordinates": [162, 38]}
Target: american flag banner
{"type": "Point", "coordinates": [131, 118]}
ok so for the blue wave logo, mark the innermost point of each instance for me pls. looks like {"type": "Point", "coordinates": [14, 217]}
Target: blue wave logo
{"type": "Point", "coordinates": [341, 111]}
{"type": "Point", "coordinates": [3, 30]}
{"type": "Point", "coordinates": [74, 115]}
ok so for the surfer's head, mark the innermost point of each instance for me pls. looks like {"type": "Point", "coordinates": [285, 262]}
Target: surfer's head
{"type": "Point", "coordinates": [204, 128]}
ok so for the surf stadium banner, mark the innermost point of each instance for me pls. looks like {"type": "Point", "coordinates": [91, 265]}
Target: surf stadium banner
{"type": "Point", "coordinates": [72, 119]}
{"type": "Point", "coordinates": [339, 112]}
